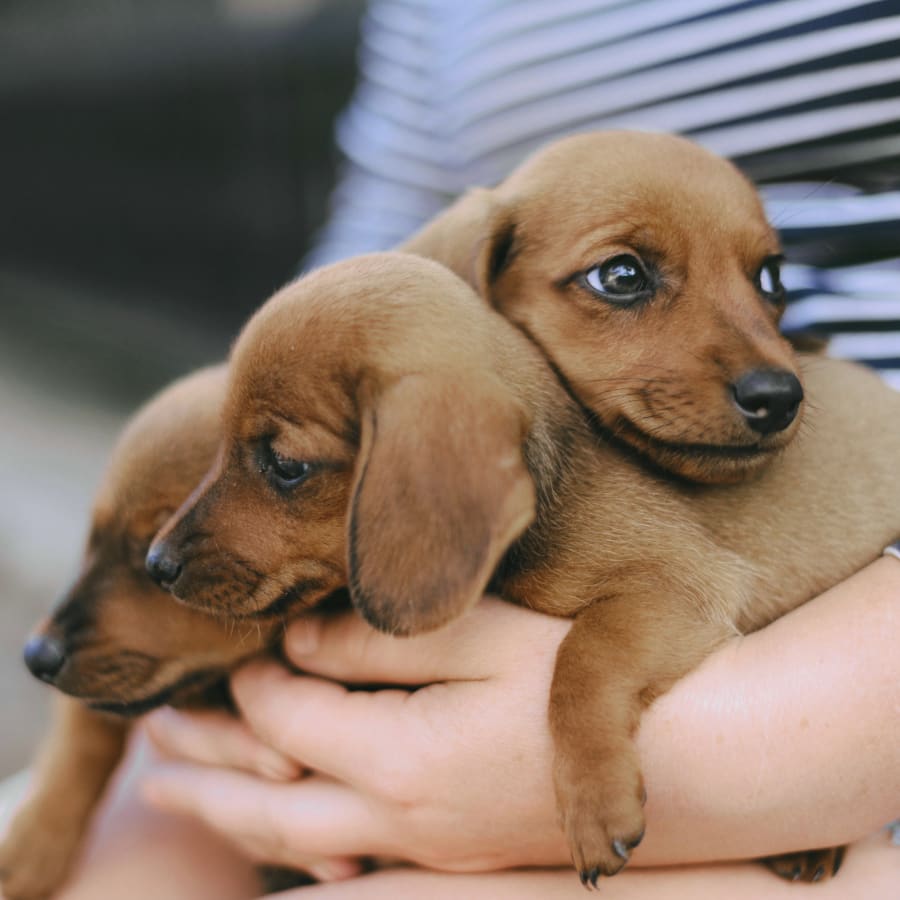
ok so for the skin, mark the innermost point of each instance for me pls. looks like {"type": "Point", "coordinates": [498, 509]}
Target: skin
{"type": "Point", "coordinates": [335, 455]}
{"type": "Point", "coordinates": [698, 743]}
{"type": "Point", "coordinates": [130, 839]}
{"type": "Point", "coordinates": [869, 872]}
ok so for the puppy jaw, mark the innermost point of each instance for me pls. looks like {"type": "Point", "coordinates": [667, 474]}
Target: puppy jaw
{"type": "Point", "coordinates": [673, 402]}
{"type": "Point", "coordinates": [128, 647]}
{"type": "Point", "coordinates": [392, 339]}
{"type": "Point", "coordinates": [234, 558]}
{"type": "Point", "coordinates": [658, 374]}
{"type": "Point", "coordinates": [127, 644]}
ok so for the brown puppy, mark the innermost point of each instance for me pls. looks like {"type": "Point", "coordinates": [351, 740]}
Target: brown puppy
{"type": "Point", "coordinates": [116, 641]}
{"type": "Point", "coordinates": [384, 429]}
{"type": "Point", "coordinates": [645, 269]}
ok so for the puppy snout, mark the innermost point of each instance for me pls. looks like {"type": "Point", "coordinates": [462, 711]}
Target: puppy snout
{"type": "Point", "coordinates": [768, 399]}
{"type": "Point", "coordinates": [163, 565]}
{"type": "Point", "coordinates": [44, 656]}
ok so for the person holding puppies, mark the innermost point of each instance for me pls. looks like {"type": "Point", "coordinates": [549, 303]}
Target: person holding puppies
{"type": "Point", "coordinates": [812, 116]}
{"type": "Point", "coordinates": [393, 182]}
{"type": "Point", "coordinates": [458, 838]}
{"type": "Point", "coordinates": [327, 760]}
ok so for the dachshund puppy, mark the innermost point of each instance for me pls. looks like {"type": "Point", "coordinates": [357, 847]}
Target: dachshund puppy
{"type": "Point", "coordinates": [385, 430]}
{"type": "Point", "coordinates": [645, 269]}
{"type": "Point", "coordinates": [118, 643]}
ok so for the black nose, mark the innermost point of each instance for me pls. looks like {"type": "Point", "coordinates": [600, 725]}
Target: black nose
{"type": "Point", "coordinates": [44, 656]}
{"type": "Point", "coordinates": [163, 566]}
{"type": "Point", "coordinates": [768, 399]}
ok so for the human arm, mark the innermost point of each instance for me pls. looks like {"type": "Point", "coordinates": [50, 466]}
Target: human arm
{"type": "Point", "coordinates": [870, 872]}
{"type": "Point", "coordinates": [756, 752]}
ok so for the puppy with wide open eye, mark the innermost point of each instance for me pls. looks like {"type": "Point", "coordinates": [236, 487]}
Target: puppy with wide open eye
{"type": "Point", "coordinates": [385, 430]}
{"type": "Point", "coordinates": [117, 644]}
{"type": "Point", "coordinates": [646, 270]}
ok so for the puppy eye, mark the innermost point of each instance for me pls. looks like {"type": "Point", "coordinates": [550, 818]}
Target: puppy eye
{"type": "Point", "coordinates": [768, 280]}
{"type": "Point", "coordinates": [621, 279]}
{"type": "Point", "coordinates": [285, 471]}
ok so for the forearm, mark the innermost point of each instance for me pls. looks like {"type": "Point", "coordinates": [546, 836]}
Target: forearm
{"type": "Point", "coordinates": [784, 740]}
{"type": "Point", "coordinates": [870, 871]}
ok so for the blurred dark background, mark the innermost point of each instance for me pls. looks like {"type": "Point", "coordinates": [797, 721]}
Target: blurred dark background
{"type": "Point", "coordinates": [163, 168]}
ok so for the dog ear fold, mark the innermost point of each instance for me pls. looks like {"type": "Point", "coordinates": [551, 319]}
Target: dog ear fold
{"type": "Point", "coordinates": [441, 492]}
{"type": "Point", "coordinates": [496, 252]}
{"type": "Point", "coordinates": [474, 238]}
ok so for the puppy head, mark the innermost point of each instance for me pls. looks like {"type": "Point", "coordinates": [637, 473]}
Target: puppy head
{"type": "Point", "coordinates": [116, 639]}
{"type": "Point", "coordinates": [644, 268]}
{"type": "Point", "coordinates": [368, 442]}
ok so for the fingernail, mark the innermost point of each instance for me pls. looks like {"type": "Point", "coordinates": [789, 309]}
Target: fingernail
{"type": "Point", "coordinates": [279, 769]}
{"type": "Point", "coordinates": [303, 636]}
{"type": "Point", "coordinates": [334, 870]}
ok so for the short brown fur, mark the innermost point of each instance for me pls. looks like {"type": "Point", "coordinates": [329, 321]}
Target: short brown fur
{"type": "Point", "coordinates": [419, 410]}
{"type": "Point", "coordinates": [128, 646]}
{"type": "Point", "coordinates": [658, 374]}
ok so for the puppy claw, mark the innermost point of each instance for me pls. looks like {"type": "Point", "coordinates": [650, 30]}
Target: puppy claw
{"type": "Point", "coordinates": [602, 822]}
{"type": "Point", "coordinates": [809, 866]}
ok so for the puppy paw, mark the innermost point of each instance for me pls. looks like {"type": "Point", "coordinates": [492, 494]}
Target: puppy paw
{"type": "Point", "coordinates": [809, 865]}
{"type": "Point", "coordinates": [603, 819]}
{"type": "Point", "coordinates": [34, 858]}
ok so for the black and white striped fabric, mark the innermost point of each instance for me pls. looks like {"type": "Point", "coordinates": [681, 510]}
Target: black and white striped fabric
{"type": "Point", "coordinates": [803, 94]}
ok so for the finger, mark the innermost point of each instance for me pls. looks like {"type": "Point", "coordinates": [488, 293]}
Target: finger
{"type": "Point", "coordinates": [346, 648]}
{"type": "Point", "coordinates": [217, 739]}
{"type": "Point", "coordinates": [349, 735]}
{"type": "Point", "coordinates": [274, 823]}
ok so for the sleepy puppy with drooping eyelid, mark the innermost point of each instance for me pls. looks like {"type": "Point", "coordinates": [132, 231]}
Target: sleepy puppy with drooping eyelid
{"type": "Point", "coordinates": [116, 644]}
{"type": "Point", "coordinates": [386, 431]}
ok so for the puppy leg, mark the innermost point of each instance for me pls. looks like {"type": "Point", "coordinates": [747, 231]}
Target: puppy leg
{"type": "Point", "coordinates": [81, 752]}
{"type": "Point", "coordinates": [621, 653]}
{"type": "Point", "coordinates": [808, 865]}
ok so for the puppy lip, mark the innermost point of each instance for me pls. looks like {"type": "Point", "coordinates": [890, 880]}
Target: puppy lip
{"type": "Point", "coordinates": [626, 429]}
{"type": "Point", "coordinates": [300, 592]}
{"type": "Point", "coordinates": [131, 708]}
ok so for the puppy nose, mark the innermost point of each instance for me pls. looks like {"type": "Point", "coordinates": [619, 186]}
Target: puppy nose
{"type": "Point", "coordinates": [44, 656]}
{"type": "Point", "coordinates": [768, 399]}
{"type": "Point", "coordinates": [163, 566]}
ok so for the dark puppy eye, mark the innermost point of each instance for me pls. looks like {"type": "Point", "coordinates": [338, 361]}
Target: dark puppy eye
{"type": "Point", "coordinates": [620, 279]}
{"type": "Point", "coordinates": [284, 471]}
{"type": "Point", "coordinates": [768, 280]}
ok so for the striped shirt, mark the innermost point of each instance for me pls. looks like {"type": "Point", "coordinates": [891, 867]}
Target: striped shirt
{"type": "Point", "coordinates": [804, 95]}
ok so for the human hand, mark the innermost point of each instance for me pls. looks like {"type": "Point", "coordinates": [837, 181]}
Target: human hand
{"type": "Point", "coordinates": [454, 775]}
{"type": "Point", "coordinates": [757, 752]}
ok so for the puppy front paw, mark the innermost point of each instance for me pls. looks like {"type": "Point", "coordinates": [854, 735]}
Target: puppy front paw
{"type": "Point", "coordinates": [808, 865]}
{"type": "Point", "coordinates": [603, 819]}
{"type": "Point", "coordinates": [35, 857]}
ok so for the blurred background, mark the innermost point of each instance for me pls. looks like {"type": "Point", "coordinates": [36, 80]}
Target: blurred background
{"type": "Point", "coordinates": [163, 168]}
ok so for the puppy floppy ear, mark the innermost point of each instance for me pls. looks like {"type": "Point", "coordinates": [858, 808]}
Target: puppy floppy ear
{"type": "Point", "coordinates": [475, 238]}
{"type": "Point", "coordinates": [441, 492]}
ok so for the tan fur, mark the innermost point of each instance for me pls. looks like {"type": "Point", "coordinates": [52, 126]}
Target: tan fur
{"type": "Point", "coordinates": [658, 374]}
{"type": "Point", "coordinates": [656, 572]}
{"type": "Point", "coordinates": [129, 647]}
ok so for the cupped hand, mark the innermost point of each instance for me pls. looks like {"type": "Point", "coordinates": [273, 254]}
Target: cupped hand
{"type": "Point", "coordinates": [447, 766]}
